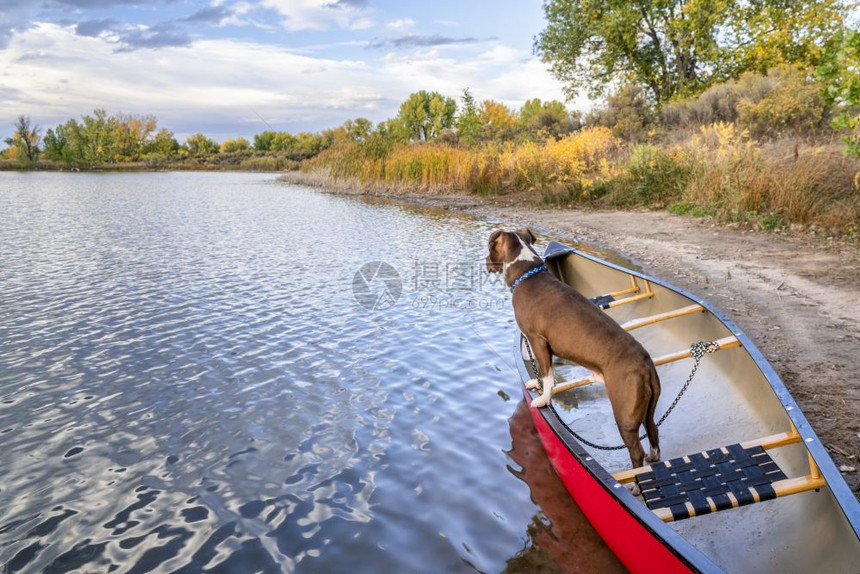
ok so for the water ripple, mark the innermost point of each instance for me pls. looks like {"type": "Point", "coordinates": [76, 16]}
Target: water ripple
{"type": "Point", "coordinates": [187, 384]}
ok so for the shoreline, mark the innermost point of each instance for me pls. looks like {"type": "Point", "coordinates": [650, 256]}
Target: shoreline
{"type": "Point", "coordinates": [793, 294]}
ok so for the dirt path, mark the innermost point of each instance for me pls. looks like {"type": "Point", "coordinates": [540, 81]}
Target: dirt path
{"type": "Point", "coordinates": [796, 296]}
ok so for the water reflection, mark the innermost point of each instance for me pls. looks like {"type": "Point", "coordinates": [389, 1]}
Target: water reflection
{"type": "Point", "coordinates": [561, 538]}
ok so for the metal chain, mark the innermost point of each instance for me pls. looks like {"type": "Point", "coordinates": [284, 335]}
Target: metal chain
{"type": "Point", "coordinates": [697, 351]}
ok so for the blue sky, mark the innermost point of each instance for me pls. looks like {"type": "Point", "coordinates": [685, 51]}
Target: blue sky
{"type": "Point", "coordinates": [233, 68]}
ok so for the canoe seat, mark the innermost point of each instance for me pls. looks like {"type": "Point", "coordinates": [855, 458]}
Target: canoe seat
{"type": "Point", "coordinates": [709, 481]}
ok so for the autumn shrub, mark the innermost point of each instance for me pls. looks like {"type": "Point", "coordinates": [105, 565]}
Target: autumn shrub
{"type": "Point", "coordinates": [785, 101]}
{"type": "Point", "coordinates": [575, 162]}
{"type": "Point", "coordinates": [736, 179]}
{"type": "Point", "coordinates": [653, 176]}
{"type": "Point", "coordinates": [716, 104]}
{"type": "Point", "coordinates": [628, 113]}
{"type": "Point", "coordinates": [726, 173]}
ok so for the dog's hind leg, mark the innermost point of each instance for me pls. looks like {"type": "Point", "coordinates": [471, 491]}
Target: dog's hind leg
{"type": "Point", "coordinates": [630, 436]}
{"type": "Point", "coordinates": [650, 426]}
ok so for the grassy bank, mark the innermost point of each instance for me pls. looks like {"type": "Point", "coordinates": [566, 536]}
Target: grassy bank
{"type": "Point", "coordinates": [717, 171]}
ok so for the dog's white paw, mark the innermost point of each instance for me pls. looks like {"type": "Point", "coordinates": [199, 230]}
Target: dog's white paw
{"type": "Point", "coordinates": [539, 402]}
{"type": "Point", "coordinates": [533, 384]}
{"type": "Point", "coordinates": [653, 456]}
{"type": "Point", "coordinates": [633, 488]}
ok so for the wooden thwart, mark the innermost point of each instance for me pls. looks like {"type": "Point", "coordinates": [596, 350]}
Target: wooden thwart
{"type": "Point", "coordinates": [611, 300]}
{"type": "Point", "coordinates": [645, 321]}
{"type": "Point", "coordinates": [725, 343]}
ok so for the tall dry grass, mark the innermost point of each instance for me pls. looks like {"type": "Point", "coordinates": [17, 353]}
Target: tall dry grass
{"type": "Point", "coordinates": [567, 166]}
{"type": "Point", "coordinates": [776, 184]}
{"type": "Point", "coordinates": [718, 171]}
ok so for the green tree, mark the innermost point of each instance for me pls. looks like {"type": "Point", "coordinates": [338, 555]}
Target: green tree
{"type": "Point", "coordinates": [163, 144]}
{"type": "Point", "coordinates": [263, 140]}
{"type": "Point", "coordinates": [425, 114]}
{"type": "Point", "coordinates": [25, 138]}
{"type": "Point", "coordinates": [284, 142]}
{"type": "Point", "coordinates": [469, 120]}
{"type": "Point", "coordinates": [840, 72]}
{"type": "Point", "coordinates": [308, 144]}
{"type": "Point", "coordinates": [94, 137]}
{"type": "Point", "coordinates": [199, 144]}
{"type": "Point", "coordinates": [680, 47]}
{"type": "Point", "coordinates": [545, 118]}
{"type": "Point", "coordinates": [358, 129]}
{"type": "Point", "coordinates": [56, 145]}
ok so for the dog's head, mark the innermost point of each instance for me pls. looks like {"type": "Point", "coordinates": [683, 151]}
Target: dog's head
{"type": "Point", "coordinates": [506, 247]}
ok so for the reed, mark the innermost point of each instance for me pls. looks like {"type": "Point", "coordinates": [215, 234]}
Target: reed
{"type": "Point", "coordinates": [718, 171]}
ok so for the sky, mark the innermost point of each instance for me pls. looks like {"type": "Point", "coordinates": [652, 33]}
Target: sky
{"type": "Point", "coordinates": [234, 68]}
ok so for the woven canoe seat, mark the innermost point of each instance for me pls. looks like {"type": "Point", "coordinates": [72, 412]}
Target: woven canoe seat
{"type": "Point", "coordinates": [710, 481]}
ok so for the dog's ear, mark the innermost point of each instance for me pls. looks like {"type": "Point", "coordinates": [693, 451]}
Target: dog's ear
{"type": "Point", "coordinates": [493, 237]}
{"type": "Point", "coordinates": [527, 235]}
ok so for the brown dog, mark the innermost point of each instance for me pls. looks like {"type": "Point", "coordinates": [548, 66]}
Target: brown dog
{"type": "Point", "coordinates": [557, 320]}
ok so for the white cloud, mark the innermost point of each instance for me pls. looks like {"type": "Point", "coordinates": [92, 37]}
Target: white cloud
{"type": "Point", "coordinates": [401, 25]}
{"type": "Point", "coordinates": [319, 14]}
{"type": "Point", "coordinates": [220, 86]}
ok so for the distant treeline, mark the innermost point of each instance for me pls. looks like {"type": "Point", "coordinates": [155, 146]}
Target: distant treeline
{"type": "Point", "coordinates": [763, 147]}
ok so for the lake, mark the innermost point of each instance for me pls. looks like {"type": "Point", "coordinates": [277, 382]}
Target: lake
{"type": "Point", "coordinates": [222, 372]}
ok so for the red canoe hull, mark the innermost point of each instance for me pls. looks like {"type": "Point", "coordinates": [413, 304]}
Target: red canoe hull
{"type": "Point", "coordinates": [637, 546]}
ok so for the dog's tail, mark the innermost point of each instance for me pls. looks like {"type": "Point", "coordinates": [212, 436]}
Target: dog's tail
{"type": "Point", "coordinates": [650, 425]}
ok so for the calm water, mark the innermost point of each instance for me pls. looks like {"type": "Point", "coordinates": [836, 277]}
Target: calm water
{"type": "Point", "coordinates": [193, 377]}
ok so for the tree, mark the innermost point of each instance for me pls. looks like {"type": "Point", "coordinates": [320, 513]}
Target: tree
{"type": "Point", "coordinates": [231, 145]}
{"type": "Point", "coordinates": [263, 140]}
{"type": "Point", "coordinates": [130, 136]}
{"type": "Point", "coordinates": [199, 144]}
{"type": "Point", "coordinates": [25, 138]}
{"type": "Point", "coordinates": [469, 122]}
{"type": "Point", "coordinates": [680, 47]}
{"type": "Point", "coordinates": [425, 114]}
{"type": "Point", "coordinates": [358, 129]}
{"type": "Point", "coordinates": [497, 120]}
{"type": "Point", "coordinates": [164, 144]}
{"type": "Point", "coordinates": [628, 112]}
{"type": "Point", "coordinates": [840, 71]}
{"type": "Point", "coordinates": [545, 118]}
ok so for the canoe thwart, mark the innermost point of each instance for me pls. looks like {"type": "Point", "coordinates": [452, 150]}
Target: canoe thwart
{"type": "Point", "coordinates": [650, 320]}
{"type": "Point", "coordinates": [715, 480]}
{"type": "Point", "coordinates": [720, 344]}
{"type": "Point", "coordinates": [610, 300]}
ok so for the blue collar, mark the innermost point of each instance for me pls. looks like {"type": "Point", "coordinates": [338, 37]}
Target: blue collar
{"type": "Point", "coordinates": [527, 274]}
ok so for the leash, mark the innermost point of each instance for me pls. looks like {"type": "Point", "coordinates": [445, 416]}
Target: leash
{"type": "Point", "coordinates": [697, 351]}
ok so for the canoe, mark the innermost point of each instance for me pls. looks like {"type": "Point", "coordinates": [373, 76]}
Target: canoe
{"type": "Point", "coordinates": [744, 484]}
